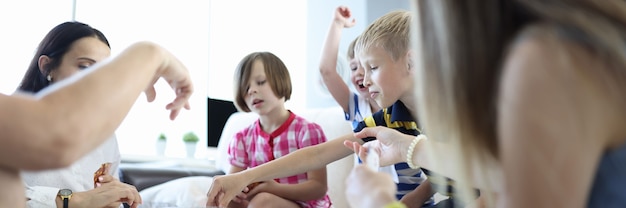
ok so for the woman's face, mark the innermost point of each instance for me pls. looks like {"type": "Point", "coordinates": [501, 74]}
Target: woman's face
{"type": "Point", "coordinates": [83, 53]}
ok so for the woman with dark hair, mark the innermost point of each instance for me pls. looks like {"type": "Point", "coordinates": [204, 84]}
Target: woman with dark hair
{"type": "Point", "coordinates": [534, 90]}
{"type": "Point", "coordinates": [66, 49]}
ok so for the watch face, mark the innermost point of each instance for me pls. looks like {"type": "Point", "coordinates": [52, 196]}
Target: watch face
{"type": "Point", "coordinates": [65, 192]}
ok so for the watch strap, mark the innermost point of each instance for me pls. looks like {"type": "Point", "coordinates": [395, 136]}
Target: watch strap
{"type": "Point", "coordinates": [66, 195]}
{"type": "Point", "coordinates": [66, 202]}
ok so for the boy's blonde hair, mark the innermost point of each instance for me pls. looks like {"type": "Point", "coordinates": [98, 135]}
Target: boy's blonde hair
{"type": "Point", "coordinates": [390, 31]}
{"type": "Point", "coordinates": [276, 74]}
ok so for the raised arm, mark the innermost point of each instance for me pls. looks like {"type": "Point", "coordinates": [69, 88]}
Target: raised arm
{"type": "Point", "coordinates": [67, 120]}
{"type": "Point", "coordinates": [328, 64]}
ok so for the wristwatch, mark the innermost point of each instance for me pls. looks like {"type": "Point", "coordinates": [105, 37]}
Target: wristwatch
{"type": "Point", "coordinates": [65, 195]}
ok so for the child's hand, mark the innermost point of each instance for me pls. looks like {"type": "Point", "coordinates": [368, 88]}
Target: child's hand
{"type": "Point", "coordinates": [342, 17]}
{"type": "Point", "coordinates": [390, 144]}
{"type": "Point", "coordinates": [251, 186]}
{"type": "Point", "coordinates": [242, 198]}
{"type": "Point", "coordinates": [365, 154]}
{"type": "Point", "coordinates": [224, 188]}
{"type": "Point", "coordinates": [364, 181]}
{"type": "Point", "coordinates": [261, 187]}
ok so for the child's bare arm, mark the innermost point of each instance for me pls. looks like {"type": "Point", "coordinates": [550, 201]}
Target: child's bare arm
{"type": "Point", "coordinates": [314, 188]}
{"type": "Point", "coordinates": [328, 63]}
{"type": "Point", "coordinates": [302, 160]}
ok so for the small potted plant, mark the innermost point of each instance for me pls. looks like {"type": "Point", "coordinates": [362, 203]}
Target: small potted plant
{"type": "Point", "coordinates": [190, 139]}
{"type": "Point", "coordinates": [161, 143]}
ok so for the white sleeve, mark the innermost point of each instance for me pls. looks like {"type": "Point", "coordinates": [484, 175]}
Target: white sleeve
{"type": "Point", "coordinates": [352, 105]}
{"type": "Point", "coordinates": [41, 196]}
{"type": "Point", "coordinates": [116, 160]}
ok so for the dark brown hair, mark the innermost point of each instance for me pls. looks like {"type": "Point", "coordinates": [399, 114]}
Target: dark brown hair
{"type": "Point", "coordinates": [54, 45]}
{"type": "Point", "coordinates": [275, 70]}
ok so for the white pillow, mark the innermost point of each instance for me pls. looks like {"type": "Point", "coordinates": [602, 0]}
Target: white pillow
{"type": "Point", "coordinates": [183, 192]}
{"type": "Point", "coordinates": [235, 123]}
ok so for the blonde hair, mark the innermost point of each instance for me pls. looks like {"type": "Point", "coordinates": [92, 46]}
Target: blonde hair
{"type": "Point", "coordinates": [390, 31]}
{"type": "Point", "coordinates": [463, 44]}
{"type": "Point", "coordinates": [276, 73]}
{"type": "Point", "coordinates": [350, 52]}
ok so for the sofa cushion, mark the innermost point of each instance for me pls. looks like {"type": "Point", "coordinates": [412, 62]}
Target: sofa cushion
{"type": "Point", "coordinates": [144, 176]}
{"type": "Point", "coordinates": [188, 192]}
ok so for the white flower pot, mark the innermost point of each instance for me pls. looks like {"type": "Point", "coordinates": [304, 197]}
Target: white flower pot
{"type": "Point", "coordinates": [191, 149]}
{"type": "Point", "coordinates": [160, 147]}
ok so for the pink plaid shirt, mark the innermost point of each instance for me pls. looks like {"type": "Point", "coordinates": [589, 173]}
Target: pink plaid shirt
{"type": "Point", "coordinates": [252, 147]}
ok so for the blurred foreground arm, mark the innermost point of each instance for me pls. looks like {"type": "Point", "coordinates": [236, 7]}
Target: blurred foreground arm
{"type": "Point", "coordinates": [379, 188]}
{"type": "Point", "coordinates": [55, 123]}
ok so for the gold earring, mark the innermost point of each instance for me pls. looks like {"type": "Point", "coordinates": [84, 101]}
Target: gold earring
{"type": "Point", "coordinates": [49, 78]}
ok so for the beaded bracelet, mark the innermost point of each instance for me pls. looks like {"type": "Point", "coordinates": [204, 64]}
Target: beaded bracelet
{"type": "Point", "coordinates": [395, 204]}
{"type": "Point", "coordinates": [409, 154]}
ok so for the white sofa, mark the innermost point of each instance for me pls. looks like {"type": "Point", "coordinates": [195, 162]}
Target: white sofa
{"type": "Point", "coordinates": [334, 125]}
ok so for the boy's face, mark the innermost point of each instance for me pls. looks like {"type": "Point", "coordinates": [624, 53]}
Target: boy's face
{"type": "Point", "coordinates": [260, 97]}
{"type": "Point", "coordinates": [357, 72]}
{"type": "Point", "coordinates": [387, 80]}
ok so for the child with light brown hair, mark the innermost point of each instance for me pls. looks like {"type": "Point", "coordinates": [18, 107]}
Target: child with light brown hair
{"type": "Point", "coordinates": [262, 85]}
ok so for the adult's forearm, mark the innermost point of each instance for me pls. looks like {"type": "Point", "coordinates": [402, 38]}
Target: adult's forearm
{"type": "Point", "coordinates": [68, 119]}
{"type": "Point", "coordinates": [102, 97]}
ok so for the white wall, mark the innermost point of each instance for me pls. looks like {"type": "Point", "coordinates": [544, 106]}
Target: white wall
{"type": "Point", "coordinates": [240, 27]}
{"type": "Point", "coordinates": [24, 24]}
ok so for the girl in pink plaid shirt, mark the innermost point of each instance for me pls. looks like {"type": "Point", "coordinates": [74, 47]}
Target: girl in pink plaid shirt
{"type": "Point", "coordinates": [262, 86]}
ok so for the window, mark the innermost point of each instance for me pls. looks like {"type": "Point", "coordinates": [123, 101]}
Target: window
{"type": "Point", "coordinates": [23, 28]}
{"type": "Point", "coordinates": [240, 27]}
{"type": "Point", "coordinates": [182, 28]}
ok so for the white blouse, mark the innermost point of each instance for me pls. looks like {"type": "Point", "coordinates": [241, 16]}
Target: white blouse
{"type": "Point", "coordinates": [42, 186]}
